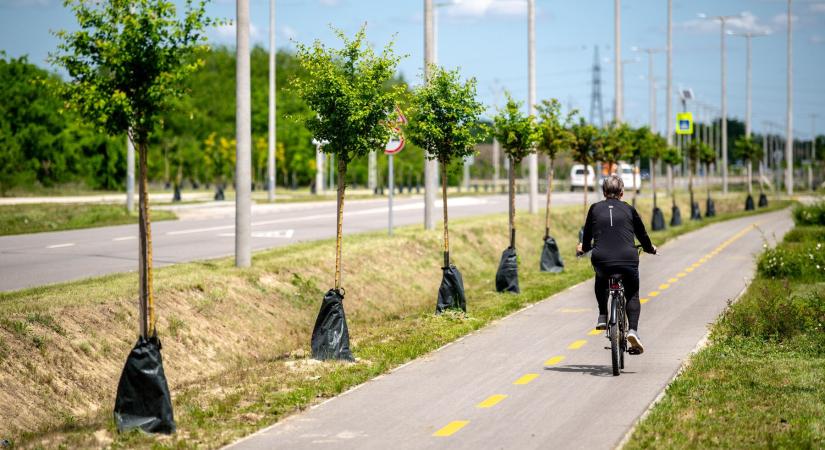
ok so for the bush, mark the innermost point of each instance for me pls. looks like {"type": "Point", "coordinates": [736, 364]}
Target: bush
{"type": "Point", "coordinates": [806, 234]}
{"type": "Point", "coordinates": [771, 311]}
{"type": "Point", "coordinates": [813, 214]}
{"type": "Point", "coordinates": [796, 260]}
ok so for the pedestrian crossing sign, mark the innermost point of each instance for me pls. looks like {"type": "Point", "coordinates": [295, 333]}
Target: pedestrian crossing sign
{"type": "Point", "coordinates": [684, 123]}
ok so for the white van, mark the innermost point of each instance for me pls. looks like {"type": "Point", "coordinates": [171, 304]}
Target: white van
{"type": "Point", "coordinates": [577, 177]}
{"type": "Point", "coordinates": [628, 175]}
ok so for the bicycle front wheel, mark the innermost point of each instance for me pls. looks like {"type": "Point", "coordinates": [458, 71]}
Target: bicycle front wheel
{"type": "Point", "coordinates": [615, 348]}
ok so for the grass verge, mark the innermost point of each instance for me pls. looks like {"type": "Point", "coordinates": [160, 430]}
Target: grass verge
{"type": "Point", "coordinates": [236, 341]}
{"type": "Point", "coordinates": [761, 381]}
{"type": "Point", "coordinates": [39, 217]}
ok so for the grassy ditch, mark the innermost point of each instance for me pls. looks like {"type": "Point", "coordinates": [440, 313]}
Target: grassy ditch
{"type": "Point", "coordinates": [761, 381]}
{"type": "Point", "coordinates": [236, 341]}
{"type": "Point", "coordinates": [39, 217]}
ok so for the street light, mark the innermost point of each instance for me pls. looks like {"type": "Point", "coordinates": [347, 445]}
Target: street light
{"type": "Point", "coordinates": [748, 37]}
{"type": "Point", "coordinates": [722, 21]}
{"type": "Point", "coordinates": [789, 113]}
{"type": "Point", "coordinates": [270, 161]}
{"type": "Point", "coordinates": [651, 82]}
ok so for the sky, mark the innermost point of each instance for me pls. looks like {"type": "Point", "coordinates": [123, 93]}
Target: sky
{"type": "Point", "coordinates": [487, 39]}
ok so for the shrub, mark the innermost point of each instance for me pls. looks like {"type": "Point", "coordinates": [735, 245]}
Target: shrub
{"type": "Point", "coordinates": [798, 260]}
{"type": "Point", "coordinates": [806, 234]}
{"type": "Point", "coordinates": [813, 214]}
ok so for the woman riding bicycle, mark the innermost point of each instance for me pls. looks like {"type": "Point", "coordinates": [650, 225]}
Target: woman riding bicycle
{"type": "Point", "coordinates": [611, 225]}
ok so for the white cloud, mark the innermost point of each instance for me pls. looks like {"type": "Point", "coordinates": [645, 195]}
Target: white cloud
{"type": "Point", "coordinates": [817, 7]}
{"type": "Point", "coordinates": [288, 32]}
{"type": "Point", "coordinates": [743, 23]}
{"type": "Point", "coordinates": [816, 39]}
{"type": "Point", "coordinates": [480, 8]}
{"type": "Point", "coordinates": [781, 20]}
{"type": "Point", "coordinates": [226, 32]}
{"type": "Point", "coordinates": [330, 2]}
{"type": "Point", "coordinates": [25, 3]}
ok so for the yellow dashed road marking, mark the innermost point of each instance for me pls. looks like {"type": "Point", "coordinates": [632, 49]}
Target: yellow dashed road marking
{"type": "Point", "coordinates": [574, 310]}
{"type": "Point", "coordinates": [689, 269]}
{"type": "Point", "coordinates": [595, 332]}
{"type": "Point", "coordinates": [653, 293]}
{"type": "Point", "coordinates": [672, 280]}
{"type": "Point", "coordinates": [451, 428]}
{"type": "Point", "coordinates": [577, 344]}
{"type": "Point", "coordinates": [554, 360]}
{"type": "Point", "coordinates": [491, 401]}
{"type": "Point", "coordinates": [664, 286]}
{"type": "Point", "coordinates": [681, 274]}
{"type": "Point", "coordinates": [526, 378]}
{"type": "Point", "coordinates": [644, 300]}
{"type": "Point", "coordinates": [695, 265]}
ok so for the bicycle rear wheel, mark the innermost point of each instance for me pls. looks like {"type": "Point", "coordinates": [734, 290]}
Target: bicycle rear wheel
{"type": "Point", "coordinates": [622, 333]}
{"type": "Point", "coordinates": [615, 349]}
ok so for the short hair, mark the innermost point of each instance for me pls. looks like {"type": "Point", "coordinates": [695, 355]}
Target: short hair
{"type": "Point", "coordinates": [613, 186]}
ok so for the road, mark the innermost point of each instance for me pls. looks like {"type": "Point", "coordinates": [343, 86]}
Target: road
{"type": "Point", "coordinates": [207, 232]}
{"type": "Point", "coordinates": [541, 378]}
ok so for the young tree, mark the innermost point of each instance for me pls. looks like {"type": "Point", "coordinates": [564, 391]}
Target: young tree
{"type": "Point", "coordinates": [346, 88]}
{"type": "Point", "coordinates": [694, 151]}
{"type": "Point", "coordinates": [518, 136]}
{"type": "Point", "coordinates": [618, 144]}
{"type": "Point", "coordinates": [707, 156]}
{"type": "Point", "coordinates": [652, 146]}
{"type": "Point", "coordinates": [750, 151]}
{"type": "Point", "coordinates": [672, 158]}
{"type": "Point", "coordinates": [586, 145]}
{"type": "Point", "coordinates": [555, 137]}
{"type": "Point", "coordinates": [444, 122]}
{"type": "Point", "coordinates": [126, 63]}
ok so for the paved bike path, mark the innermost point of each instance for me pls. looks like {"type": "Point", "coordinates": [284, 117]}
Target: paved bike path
{"type": "Point", "coordinates": [541, 378]}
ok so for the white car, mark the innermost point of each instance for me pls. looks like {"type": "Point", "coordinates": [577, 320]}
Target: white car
{"type": "Point", "coordinates": [628, 175]}
{"type": "Point", "coordinates": [577, 177]}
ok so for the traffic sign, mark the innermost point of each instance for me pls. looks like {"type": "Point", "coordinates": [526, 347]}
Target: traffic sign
{"type": "Point", "coordinates": [396, 142]}
{"type": "Point", "coordinates": [684, 123]}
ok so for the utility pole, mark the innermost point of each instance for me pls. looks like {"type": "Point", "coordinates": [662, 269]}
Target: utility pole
{"type": "Point", "coordinates": [243, 130]}
{"type": "Point", "coordinates": [270, 162]}
{"type": "Point", "coordinates": [789, 114]}
{"type": "Point", "coordinates": [748, 76]}
{"type": "Point", "coordinates": [532, 159]}
{"type": "Point", "coordinates": [429, 166]}
{"type": "Point", "coordinates": [130, 173]}
{"type": "Point", "coordinates": [669, 89]}
{"type": "Point", "coordinates": [618, 113]}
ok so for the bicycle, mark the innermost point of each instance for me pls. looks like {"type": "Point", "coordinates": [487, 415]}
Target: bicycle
{"type": "Point", "coordinates": [617, 323]}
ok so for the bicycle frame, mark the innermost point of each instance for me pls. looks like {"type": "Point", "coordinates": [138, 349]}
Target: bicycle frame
{"type": "Point", "coordinates": [617, 323]}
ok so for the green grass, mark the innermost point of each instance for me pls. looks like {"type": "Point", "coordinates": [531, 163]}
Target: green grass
{"type": "Point", "coordinates": [39, 217]}
{"type": "Point", "coordinates": [761, 381]}
{"type": "Point", "coordinates": [236, 341]}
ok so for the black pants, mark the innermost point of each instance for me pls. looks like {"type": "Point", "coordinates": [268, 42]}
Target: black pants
{"type": "Point", "coordinates": [630, 279]}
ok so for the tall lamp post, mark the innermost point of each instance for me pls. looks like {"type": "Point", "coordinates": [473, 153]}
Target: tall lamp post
{"type": "Point", "coordinates": [532, 159]}
{"type": "Point", "coordinates": [270, 161]}
{"type": "Point", "coordinates": [789, 112]}
{"type": "Point", "coordinates": [722, 22]}
{"type": "Point", "coordinates": [243, 130]}
{"type": "Point", "coordinates": [748, 76]}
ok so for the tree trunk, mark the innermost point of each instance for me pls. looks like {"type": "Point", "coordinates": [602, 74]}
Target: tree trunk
{"type": "Point", "coordinates": [512, 175]}
{"type": "Point", "coordinates": [670, 184]}
{"type": "Point", "coordinates": [550, 171]}
{"type": "Point", "coordinates": [444, 200]}
{"type": "Point", "coordinates": [586, 188]}
{"type": "Point", "coordinates": [707, 178]}
{"type": "Point", "coordinates": [690, 181]}
{"type": "Point", "coordinates": [342, 186]}
{"type": "Point", "coordinates": [653, 163]}
{"type": "Point", "coordinates": [147, 301]}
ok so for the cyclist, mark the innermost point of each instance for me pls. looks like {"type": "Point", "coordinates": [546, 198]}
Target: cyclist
{"type": "Point", "coordinates": [611, 225]}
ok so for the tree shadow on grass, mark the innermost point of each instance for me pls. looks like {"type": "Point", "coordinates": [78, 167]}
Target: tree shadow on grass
{"type": "Point", "coordinates": [587, 369]}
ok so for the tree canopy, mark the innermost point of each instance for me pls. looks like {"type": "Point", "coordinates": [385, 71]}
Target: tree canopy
{"type": "Point", "coordinates": [554, 128]}
{"type": "Point", "coordinates": [516, 132]}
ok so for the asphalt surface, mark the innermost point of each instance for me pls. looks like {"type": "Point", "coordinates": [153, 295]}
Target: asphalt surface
{"type": "Point", "coordinates": [541, 378]}
{"type": "Point", "coordinates": [207, 231]}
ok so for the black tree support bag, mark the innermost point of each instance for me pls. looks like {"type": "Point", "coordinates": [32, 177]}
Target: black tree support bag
{"type": "Point", "coordinates": [143, 399]}
{"type": "Point", "coordinates": [451, 292]}
{"type": "Point", "coordinates": [330, 337]}
{"type": "Point", "coordinates": [710, 208]}
{"type": "Point", "coordinates": [676, 216]}
{"type": "Point", "coordinates": [507, 274]}
{"type": "Point", "coordinates": [749, 206]}
{"type": "Point", "coordinates": [550, 257]}
{"type": "Point", "coordinates": [763, 200]}
{"type": "Point", "coordinates": [658, 221]}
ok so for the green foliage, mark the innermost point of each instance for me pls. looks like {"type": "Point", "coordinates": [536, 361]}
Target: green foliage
{"type": "Point", "coordinates": [649, 144]}
{"type": "Point", "coordinates": [747, 149]}
{"type": "Point", "coordinates": [707, 155]}
{"type": "Point", "coordinates": [802, 260]}
{"type": "Point", "coordinates": [672, 156]}
{"type": "Point", "coordinates": [696, 149]}
{"type": "Point", "coordinates": [806, 233]}
{"type": "Point", "coordinates": [346, 88]}
{"type": "Point", "coordinates": [587, 142]}
{"type": "Point", "coordinates": [516, 131]}
{"type": "Point", "coordinates": [128, 60]}
{"type": "Point", "coordinates": [555, 130]}
{"type": "Point", "coordinates": [444, 116]}
{"type": "Point", "coordinates": [618, 144]}
{"type": "Point", "coordinates": [813, 214]}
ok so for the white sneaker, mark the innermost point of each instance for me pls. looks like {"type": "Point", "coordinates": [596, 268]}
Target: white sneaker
{"type": "Point", "coordinates": [636, 347]}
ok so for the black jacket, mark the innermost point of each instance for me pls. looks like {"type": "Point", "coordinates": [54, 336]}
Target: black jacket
{"type": "Point", "coordinates": [611, 226]}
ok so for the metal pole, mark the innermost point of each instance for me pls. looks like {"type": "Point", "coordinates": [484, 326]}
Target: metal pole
{"type": "Point", "coordinates": [429, 166]}
{"type": "Point", "coordinates": [748, 127]}
{"type": "Point", "coordinates": [130, 172]}
{"type": "Point", "coordinates": [789, 114]}
{"type": "Point", "coordinates": [270, 166]}
{"type": "Point", "coordinates": [618, 114]}
{"type": "Point", "coordinates": [532, 159]}
{"type": "Point", "coordinates": [651, 91]}
{"type": "Point", "coordinates": [392, 191]}
{"type": "Point", "coordinates": [319, 170]}
{"type": "Point", "coordinates": [669, 90]}
{"type": "Point", "coordinates": [724, 111]}
{"type": "Point", "coordinates": [243, 165]}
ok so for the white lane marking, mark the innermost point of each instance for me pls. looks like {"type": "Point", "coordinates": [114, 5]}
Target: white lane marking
{"type": "Point", "coordinates": [281, 234]}
{"type": "Point", "coordinates": [459, 202]}
{"type": "Point", "coordinates": [70, 244]}
{"type": "Point", "coordinates": [125, 238]}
